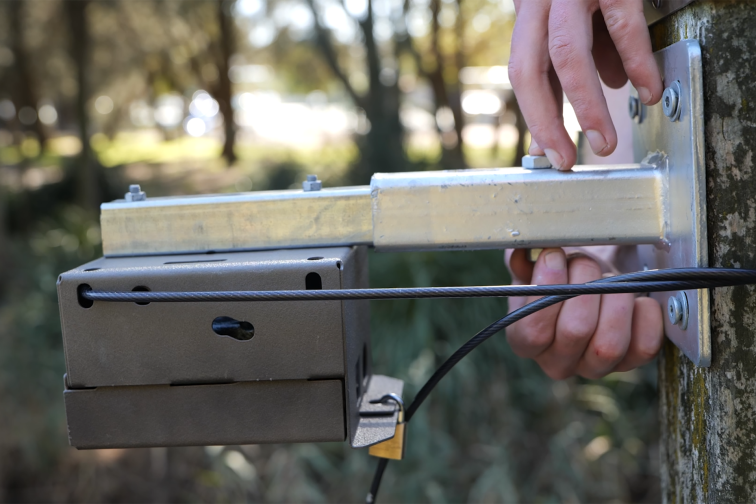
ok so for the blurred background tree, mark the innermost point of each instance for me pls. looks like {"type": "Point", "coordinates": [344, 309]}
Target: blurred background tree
{"type": "Point", "coordinates": [238, 95]}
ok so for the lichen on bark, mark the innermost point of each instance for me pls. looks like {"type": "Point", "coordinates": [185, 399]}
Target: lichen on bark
{"type": "Point", "coordinates": [709, 415]}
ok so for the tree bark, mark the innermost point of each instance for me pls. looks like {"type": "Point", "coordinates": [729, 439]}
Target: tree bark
{"type": "Point", "coordinates": [224, 91]}
{"type": "Point", "coordinates": [709, 415]}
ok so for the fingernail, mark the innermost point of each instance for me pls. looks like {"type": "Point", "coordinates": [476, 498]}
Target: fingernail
{"type": "Point", "coordinates": [644, 95]}
{"type": "Point", "coordinates": [557, 161]}
{"type": "Point", "coordinates": [597, 141]}
{"type": "Point", "coordinates": [555, 261]}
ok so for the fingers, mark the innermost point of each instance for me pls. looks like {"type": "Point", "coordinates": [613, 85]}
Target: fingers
{"type": "Point", "coordinates": [627, 27]}
{"type": "Point", "coordinates": [520, 266]}
{"type": "Point", "coordinates": [612, 338]}
{"type": "Point", "coordinates": [521, 270]}
{"type": "Point", "coordinates": [605, 55]}
{"type": "Point", "coordinates": [532, 335]}
{"type": "Point", "coordinates": [647, 334]}
{"type": "Point", "coordinates": [588, 335]}
{"type": "Point", "coordinates": [570, 48]}
{"type": "Point", "coordinates": [529, 72]}
{"type": "Point", "coordinates": [575, 325]}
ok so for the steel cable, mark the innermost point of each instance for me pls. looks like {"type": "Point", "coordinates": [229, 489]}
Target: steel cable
{"type": "Point", "coordinates": [645, 281]}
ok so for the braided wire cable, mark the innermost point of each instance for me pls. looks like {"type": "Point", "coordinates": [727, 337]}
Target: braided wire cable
{"type": "Point", "coordinates": [644, 281]}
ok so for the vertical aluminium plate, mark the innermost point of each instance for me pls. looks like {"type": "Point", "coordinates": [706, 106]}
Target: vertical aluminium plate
{"type": "Point", "coordinates": [682, 142]}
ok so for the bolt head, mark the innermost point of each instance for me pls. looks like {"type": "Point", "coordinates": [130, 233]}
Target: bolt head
{"type": "Point", "coordinates": [656, 3]}
{"type": "Point", "coordinates": [674, 310]}
{"type": "Point", "coordinates": [635, 109]}
{"type": "Point", "coordinates": [678, 310]}
{"type": "Point", "coordinates": [135, 193]}
{"type": "Point", "coordinates": [671, 101]}
{"type": "Point", "coordinates": [312, 184]}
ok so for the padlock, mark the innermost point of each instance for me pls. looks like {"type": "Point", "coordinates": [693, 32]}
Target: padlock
{"type": "Point", "coordinates": [392, 448]}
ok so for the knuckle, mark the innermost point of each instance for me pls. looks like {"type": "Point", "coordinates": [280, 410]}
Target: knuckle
{"type": "Point", "coordinates": [636, 66]}
{"type": "Point", "coordinates": [536, 334]}
{"type": "Point", "coordinates": [563, 51]}
{"type": "Point", "coordinates": [609, 353]}
{"type": "Point", "coordinates": [647, 353]}
{"type": "Point", "coordinates": [516, 71]}
{"type": "Point", "coordinates": [585, 266]}
{"type": "Point", "coordinates": [575, 333]}
{"type": "Point", "coordinates": [617, 22]}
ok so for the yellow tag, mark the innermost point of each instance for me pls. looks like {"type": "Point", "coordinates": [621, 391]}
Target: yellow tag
{"type": "Point", "coordinates": [391, 448]}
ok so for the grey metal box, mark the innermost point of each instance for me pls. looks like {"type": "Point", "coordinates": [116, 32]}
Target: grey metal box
{"type": "Point", "coordinates": [158, 374]}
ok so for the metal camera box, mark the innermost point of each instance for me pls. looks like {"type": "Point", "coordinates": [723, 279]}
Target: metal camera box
{"type": "Point", "coordinates": [203, 373]}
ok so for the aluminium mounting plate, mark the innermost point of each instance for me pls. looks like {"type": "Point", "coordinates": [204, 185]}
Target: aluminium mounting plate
{"type": "Point", "coordinates": [682, 142]}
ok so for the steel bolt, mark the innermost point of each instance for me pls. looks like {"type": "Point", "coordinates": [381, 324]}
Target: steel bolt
{"type": "Point", "coordinates": [656, 3]}
{"type": "Point", "coordinates": [672, 102]}
{"type": "Point", "coordinates": [635, 109]}
{"type": "Point", "coordinates": [135, 193]}
{"type": "Point", "coordinates": [312, 184]}
{"type": "Point", "coordinates": [678, 311]}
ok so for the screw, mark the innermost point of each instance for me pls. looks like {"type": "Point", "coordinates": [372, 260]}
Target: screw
{"type": "Point", "coordinates": [312, 184]}
{"type": "Point", "coordinates": [635, 109]}
{"type": "Point", "coordinates": [656, 3]}
{"type": "Point", "coordinates": [672, 102]}
{"type": "Point", "coordinates": [678, 311]}
{"type": "Point", "coordinates": [135, 193]}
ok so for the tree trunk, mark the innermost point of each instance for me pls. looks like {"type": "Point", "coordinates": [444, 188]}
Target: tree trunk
{"type": "Point", "coordinates": [224, 91]}
{"type": "Point", "coordinates": [709, 415]}
{"type": "Point", "coordinates": [86, 173]}
{"type": "Point", "coordinates": [25, 92]}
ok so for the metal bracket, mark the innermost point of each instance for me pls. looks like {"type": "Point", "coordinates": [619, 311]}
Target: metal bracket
{"type": "Point", "coordinates": [656, 10]}
{"type": "Point", "coordinates": [678, 133]}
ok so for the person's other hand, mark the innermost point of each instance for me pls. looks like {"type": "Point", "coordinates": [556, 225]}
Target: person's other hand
{"type": "Point", "coordinates": [565, 45]}
{"type": "Point", "coordinates": [590, 336]}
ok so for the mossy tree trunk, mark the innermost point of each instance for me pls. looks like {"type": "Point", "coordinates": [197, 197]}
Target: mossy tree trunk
{"type": "Point", "coordinates": [709, 415]}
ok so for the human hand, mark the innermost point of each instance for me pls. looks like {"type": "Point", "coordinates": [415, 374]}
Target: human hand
{"type": "Point", "coordinates": [565, 45]}
{"type": "Point", "coordinates": [590, 336]}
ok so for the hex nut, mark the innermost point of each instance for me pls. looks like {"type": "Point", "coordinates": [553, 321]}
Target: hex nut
{"type": "Point", "coordinates": [312, 184]}
{"type": "Point", "coordinates": [535, 162]}
{"type": "Point", "coordinates": [135, 193]}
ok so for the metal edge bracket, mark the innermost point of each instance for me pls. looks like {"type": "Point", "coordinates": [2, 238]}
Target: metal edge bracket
{"type": "Point", "coordinates": [656, 10]}
{"type": "Point", "coordinates": [681, 139]}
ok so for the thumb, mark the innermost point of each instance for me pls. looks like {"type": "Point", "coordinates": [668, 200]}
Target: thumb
{"type": "Point", "coordinates": [519, 266]}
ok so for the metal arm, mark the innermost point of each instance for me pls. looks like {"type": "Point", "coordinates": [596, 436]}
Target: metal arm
{"type": "Point", "coordinates": [470, 209]}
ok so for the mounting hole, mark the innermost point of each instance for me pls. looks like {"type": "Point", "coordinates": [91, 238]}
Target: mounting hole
{"type": "Point", "coordinates": [141, 288]}
{"type": "Point", "coordinates": [316, 258]}
{"type": "Point", "coordinates": [83, 302]}
{"type": "Point", "coordinates": [237, 329]}
{"type": "Point", "coordinates": [313, 281]}
{"type": "Point", "coordinates": [92, 269]}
